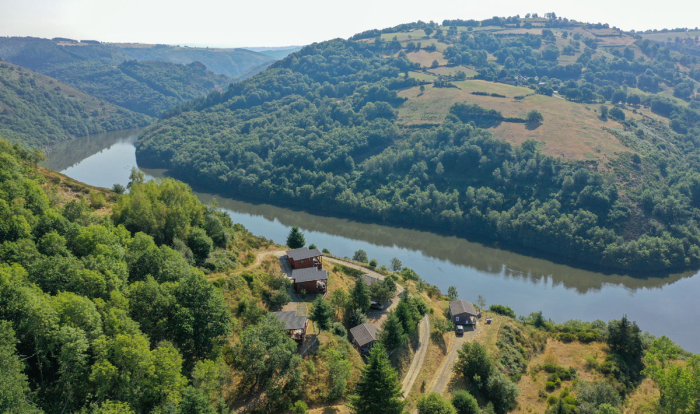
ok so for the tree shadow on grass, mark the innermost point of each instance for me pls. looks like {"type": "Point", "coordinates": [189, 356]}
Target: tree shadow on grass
{"type": "Point", "coordinates": [532, 126]}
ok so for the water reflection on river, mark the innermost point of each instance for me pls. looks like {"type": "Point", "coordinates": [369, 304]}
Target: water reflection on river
{"type": "Point", "coordinates": [661, 305]}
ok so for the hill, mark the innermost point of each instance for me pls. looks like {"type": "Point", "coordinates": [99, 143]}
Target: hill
{"type": "Point", "coordinates": [36, 110]}
{"type": "Point", "coordinates": [572, 139]}
{"type": "Point", "coordinates": [233, 63]}
{"type": "Point", "coordinates": [105, 72]}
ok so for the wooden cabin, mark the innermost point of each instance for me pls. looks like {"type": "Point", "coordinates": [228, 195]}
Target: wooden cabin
{"type": "Point", "coordinates": [463, 313]}
{"type": "Point", "coordinates": [364, 337]}
{"type": "Point", "coordinates": [304, 257]}
{"type": "Point", "coordinates": [294, 325]}
{"type": "Point", "coordinates": [310, 279]}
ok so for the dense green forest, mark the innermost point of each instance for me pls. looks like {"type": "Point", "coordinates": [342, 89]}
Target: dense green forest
{"type": "Point", "coordinates": [321, 130]}
{"type": "Point", "coordinates": [105, 72]}
{"type": "Point", "coordinates": [36, 110]}
{"type": "Point", "coordinates": [105, 307]}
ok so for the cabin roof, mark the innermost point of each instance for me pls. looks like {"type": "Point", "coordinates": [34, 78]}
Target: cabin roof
{"type": "Point", "coordinates": [303, 253]}
{"type": "Point", "coordinates": [308, 274]}
{"type": "Point", "coordinates": [364, 334]}
{"type": "Point", "coordinates": [291, 320]}
{"type": "Point", "coordinates": [459, 307]}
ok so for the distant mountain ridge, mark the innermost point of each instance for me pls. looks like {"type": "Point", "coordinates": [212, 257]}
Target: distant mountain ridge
{"type": "Point", "coordinates": [164, 76]}
{"type": "Point", "coordinates": [36, 110]}
{"type": "Point", "coordinates": [230, 62]}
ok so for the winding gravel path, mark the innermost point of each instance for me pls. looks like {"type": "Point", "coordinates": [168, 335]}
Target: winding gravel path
{"type": "Point", "coordinates": [418, 358]}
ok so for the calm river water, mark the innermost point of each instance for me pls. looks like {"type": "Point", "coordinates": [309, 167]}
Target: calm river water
{"type": "Point", "coordinates": [666, 305]}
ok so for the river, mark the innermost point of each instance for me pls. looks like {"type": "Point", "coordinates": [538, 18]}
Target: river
{"type": "Point", "coordinates": [662, 305]}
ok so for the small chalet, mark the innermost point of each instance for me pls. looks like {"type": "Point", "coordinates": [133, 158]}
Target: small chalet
{"type": "Point", "coordinates": [371, 279]}
{"type": "Point", "coordinates": [463, 313]}
{"type": "Point", "coordinates": [304, 257]}
{"type": "Point", "coordinates": [310, 279]}
{"type": "Point", "coordinates": [364, 337]}
{"type": "Point", "coordinates": [293, 324]}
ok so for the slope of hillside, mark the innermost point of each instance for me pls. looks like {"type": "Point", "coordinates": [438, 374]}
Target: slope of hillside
{"type": "Point", "coordinates": [103, 71]}
{"type": "Point", "coordinates": [36, 110]}
{"type": "Point", "coordinates": [575, 140]}
{"type": "Point", "coordinates": [230, 62]}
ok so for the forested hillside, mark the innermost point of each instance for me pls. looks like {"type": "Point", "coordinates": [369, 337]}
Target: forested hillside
{"type": "Point", "coordinates": [36, 110]}
{"type": "Point", "coordinates": [570, 139]}
{"type": "Point", "coordinates": [105, 72]}
{"type": "Point", "coordinates": [233, 63]}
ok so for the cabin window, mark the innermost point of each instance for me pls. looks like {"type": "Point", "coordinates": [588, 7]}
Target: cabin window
{"type": "Point", "coordinates": [457, 318]}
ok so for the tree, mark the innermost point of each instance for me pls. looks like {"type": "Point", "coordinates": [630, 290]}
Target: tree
{"type": "Point", "coordinates": [434, 403]}
{"type": "Point", "coordinates": [295, 239]}
{"type": "Point", "coordinates": [603, 112]}
{"type": "Point", "coordinates": [200, 244]}
{"type": "Point", "coordinates": [473, 360]}
{"type": "Point", "coordinates": [360, 256]}
{"type": "Point", "coordinates": [405, 314]}
{"type": "Point", "coordinates": [617, 113]}
{"type": "Point", "coordinates": [619, 96]}
{"type": "Point", "coordinates": [502, 392]}
{"type": "Point", "coordinates": [435, 64]}
{"type": "Point", "coordinates": [465, 403]}
{"type": "Point", "coordinates": [550, 53]}
{"type": "Point", "coordinates": [136, 177]}
{"type": "Point", "coordinates": [373, 263]}
{"type": "Point", "coordinates": [360, 297]}
{"type": "Point", "coordinates": [396, 264]}
{"type": "Point", "coordinates": [339, 372]}
{"type": "Point", "coordinates": [481, 302]}
{"type": "Point", "coordinates": [379, 389]}
{"type": "Point", "coordinates": [452, 293]}
{"type": "Point", "coordinates": [195, 402]}
{"type": "Point", "coordinates": [339, 300]}
{"type": "Point", "coordinates": [268, 360]}
{"type": "Point", "coordinates": [14, 387]}
{"type": "Point", "coordinates": [534, 117]}
{"type": "Point", "coordinates": [322, 313]}
{"type": "Point", "coordinates": [625, 341]}
{"type": "Point", "coordinates": [118, 188]}
{"type": "Point", "coordinates": [392, 335]}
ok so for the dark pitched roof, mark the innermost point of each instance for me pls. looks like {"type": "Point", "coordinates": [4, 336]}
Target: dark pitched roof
{"type": "Point", "coordinates": [462, 306]}
{"type": "Point", "coordinates": [364, 334]}
{"type": "Point", "coordinates": [303, 253]}
{"type": "Point", "coordinates": [309, 274]}
{"type": "Point", "coordinates": [370, 279]}
{"type": "Point", "coordinates": [291, 320]}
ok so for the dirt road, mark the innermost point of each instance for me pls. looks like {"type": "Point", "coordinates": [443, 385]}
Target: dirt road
{"type": "Point", "coordinates": [418, 358]}
{"type": "Point", "coordinates": [444, 373]}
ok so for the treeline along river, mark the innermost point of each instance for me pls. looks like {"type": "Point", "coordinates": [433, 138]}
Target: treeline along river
{"type": "Point", "coordinates": [661, 304]}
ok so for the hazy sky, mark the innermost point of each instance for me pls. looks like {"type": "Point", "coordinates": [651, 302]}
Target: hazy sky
{"type": "Point", "coordinates": [284, 22]}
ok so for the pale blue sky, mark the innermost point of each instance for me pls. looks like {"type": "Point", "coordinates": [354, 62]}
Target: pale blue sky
{"type": "Point", "coordinates": [279, 23]}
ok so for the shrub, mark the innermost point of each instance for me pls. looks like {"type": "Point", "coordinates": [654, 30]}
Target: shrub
{"type": "Point", "coordinates": [550, 386]}
{"type": "Point", "coordinates": [300, 407]}
{"type": "Point", "coordinates": [373, 263]}
{"type": "Point", "coordinates": [338, 329]}
{"type": "Point", "coordinates": [566, 337]}
{"type": "Point", "coordinates": [503, 310]}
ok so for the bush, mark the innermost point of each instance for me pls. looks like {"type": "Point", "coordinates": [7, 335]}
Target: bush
{"type": "Point", "coordinates": [338, 329]}
{"type": "Point", "coordinates": [503, 310]}
{"type": "Point", "coordinates": [360, 256]}
{"type": "Point", "coordinates": [465, 403]}
{"type": "Point", "coordinates": [617, 113]}
{"type": "Point", "coordinates": [373, 263]}
{"type": "Point", "coordinates": [300, 407]}
{"type": "Point", "coordinates": [550, 386]}
{"type": "Point", "coordinates": [566, 337]}
{"type": "Point", "coordinates": [97, 200]}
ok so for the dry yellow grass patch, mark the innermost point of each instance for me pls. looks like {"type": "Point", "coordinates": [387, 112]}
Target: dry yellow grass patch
{"type": "Point", "coordinates": [643, 398]}
{"type": "Point", "coordinates": [568, 355]}
{"type": "Point", "coordinates": [570, 130]}
{"type": "Point", "coordinates": [425, 58]}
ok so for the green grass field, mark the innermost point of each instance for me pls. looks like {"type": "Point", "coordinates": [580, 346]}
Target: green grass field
{"type": "Point", "coordinates": [451, 71]}
{"type": "Point", "coordinates": [421, 76]}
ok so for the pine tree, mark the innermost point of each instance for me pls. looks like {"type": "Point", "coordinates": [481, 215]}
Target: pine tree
{"type": "Point", "coordinates": [392, 332]}
{"type": "Point", "coordinates": [322, 313]}
{"type": "Point", "coordinates": [379, 389]}
{"type": "Point", "coordinates": [295, 239]}
{"type": "Point", "coordinates": [360, 296]}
